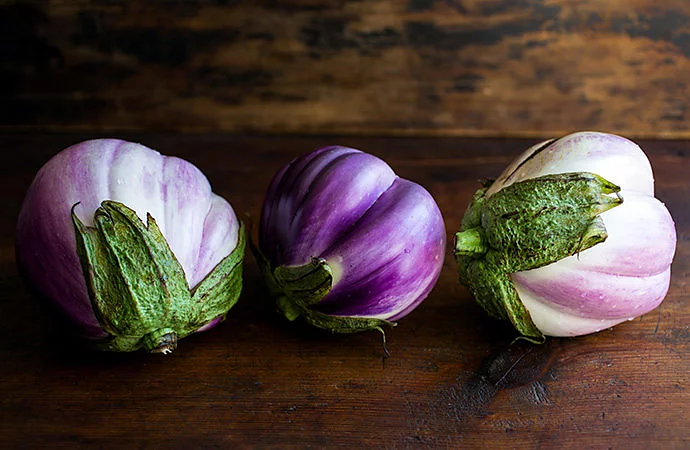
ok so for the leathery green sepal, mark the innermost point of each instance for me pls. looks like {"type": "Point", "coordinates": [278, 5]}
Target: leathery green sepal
{"type": "Point", "coordinates": [527, 225]}
{"type": "Point", "coordinates": [296, 289]}
{"type": "Point", "coordinates": [137, 286]}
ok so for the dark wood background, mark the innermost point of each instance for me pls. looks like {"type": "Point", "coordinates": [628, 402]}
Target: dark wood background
{"type": "Point", "coordinates": [453, 67]}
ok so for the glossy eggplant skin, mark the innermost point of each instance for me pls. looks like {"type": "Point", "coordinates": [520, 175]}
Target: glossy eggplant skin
{"type": "Point", "coordinates": [381, 236]}
{"type": "Point", "coordinates": [200, 228]}
{"type": "Point", "coordinates": [625, 275]}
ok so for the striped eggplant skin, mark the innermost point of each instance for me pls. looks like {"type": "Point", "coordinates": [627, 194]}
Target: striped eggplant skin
{"type": "Point", "coordinates": [200, 227]}
{"type": "Point", "coordinates": [619, 279]}
{"type": "Point", "coordinates": [383, 237]}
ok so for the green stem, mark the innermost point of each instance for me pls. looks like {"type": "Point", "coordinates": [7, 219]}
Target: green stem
{"type": "Point", "coordinates": [471, 242]}
{"type": "Point", "coordinates": [162, 341]}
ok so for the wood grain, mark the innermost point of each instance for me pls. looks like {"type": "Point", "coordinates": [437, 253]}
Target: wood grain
{"type": "Point", "coordinates": [453, 381]}
{"type": "Point", "coordinates": [461, 67]}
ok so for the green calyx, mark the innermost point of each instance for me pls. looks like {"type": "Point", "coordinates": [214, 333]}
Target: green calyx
{"type": "Point", "coordinates": [527, 225]}
{"type": "Point", "coordinates": [297, 289]}
{"type": "Point", "coordinates": [138, 288]}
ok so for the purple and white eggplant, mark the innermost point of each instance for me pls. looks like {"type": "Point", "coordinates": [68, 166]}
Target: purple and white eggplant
{"type": "Point", "coordinates": [82, 243]}
{"type": "Point", "coordinates": [346, 244]}
{"type": "Point", "coordinates": [569, 239]}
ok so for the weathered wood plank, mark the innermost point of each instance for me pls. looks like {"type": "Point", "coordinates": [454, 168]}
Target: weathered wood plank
{"type": "Point", "coordinates": [464, 67]}
{"type": "Point", "coordinates": [257, 381]}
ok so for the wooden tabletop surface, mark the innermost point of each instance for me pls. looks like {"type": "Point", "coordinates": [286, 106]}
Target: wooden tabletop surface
{"type": "Point", "coordinates": [453, 378]}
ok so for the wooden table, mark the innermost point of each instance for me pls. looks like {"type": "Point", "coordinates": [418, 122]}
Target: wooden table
{"type": "Point", "coordinates": [453, 378]}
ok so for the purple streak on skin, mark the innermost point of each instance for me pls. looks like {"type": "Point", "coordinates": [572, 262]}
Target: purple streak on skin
{"type": "Point", "coordinates": [625, 276]}
{"type": "Point", "coordinates": [391, 258]}
{"type": "Point", "coordinates": [111, 169]}
{"type": "Point", "coordinates": [187, 205]}
{"type": "Point", "coordinates": [284, 193]}
{"type": "Point", "coordinates": [599, 295]}
{"type": "Point", "coordinates": [45, 244]}
{"type": "Point", "coordinates": [383, 236]}
{"type": "Point", "coordinates": [210, 325]}
{"type": "Point", "coordinates": [641, 240]}
{"type": "Point", "coordinates": [314, 203]}
{"type": "Point", "coordinates": [615, 158]}
{"type": "Point", "coordinates": [610, 152]}
{"type": "Point", "coordinates": [219, 238]}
